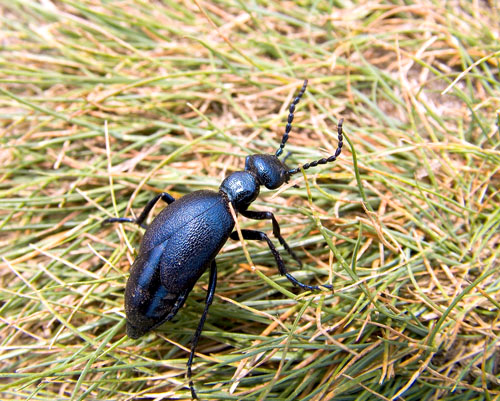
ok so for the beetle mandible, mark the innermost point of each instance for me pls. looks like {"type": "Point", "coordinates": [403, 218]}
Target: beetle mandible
{"type": "Point", "coordinates": [181, 243]}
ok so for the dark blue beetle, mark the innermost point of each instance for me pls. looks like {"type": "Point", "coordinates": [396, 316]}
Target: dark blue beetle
{"type": "Point", "coordinates": [183, 240]}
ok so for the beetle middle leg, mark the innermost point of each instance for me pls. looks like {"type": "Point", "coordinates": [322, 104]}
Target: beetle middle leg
{"type": "Point", "coordinates": [260, 236]}
{"type": "Point", "coordinates": [212, 282]}
{"type": "Point", "coordinates": [258, 215]}
{"type": "Point", "coordinates": [164, 196]}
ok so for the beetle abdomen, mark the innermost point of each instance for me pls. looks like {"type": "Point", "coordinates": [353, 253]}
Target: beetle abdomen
{"type": "Point", "coordinates": [147, 302]}
{"type": "Point", "coordinates": [183, 211]}
{"type": "Point", "coordinates": [176, 249]}
{"type": "Point", "coordinates": [191, 250]}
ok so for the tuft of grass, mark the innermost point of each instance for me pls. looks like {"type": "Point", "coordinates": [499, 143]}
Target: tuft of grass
{"type": "Point", "coordinates": [104, 104]}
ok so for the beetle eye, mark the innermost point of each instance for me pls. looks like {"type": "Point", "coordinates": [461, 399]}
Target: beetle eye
{"type": "Point", "coordinates": [269, 170]}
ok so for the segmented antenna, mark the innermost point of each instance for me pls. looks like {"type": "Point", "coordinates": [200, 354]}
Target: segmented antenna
{"type": "Point", "coordinates": [330, 159]}
{"type": "Point", "coordinates": [290, 119]}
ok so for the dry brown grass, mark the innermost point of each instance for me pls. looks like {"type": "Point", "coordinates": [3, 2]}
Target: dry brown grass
{"type": "Point", "coordinates": [104, 104]}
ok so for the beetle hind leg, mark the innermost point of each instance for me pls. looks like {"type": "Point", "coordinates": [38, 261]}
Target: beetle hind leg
{"type": "Point", "coordinates": [164, 196]}
{"type": "Point", "coordinates": [260, 236]}
{"type": "Point", "coordinates": [212, 282]}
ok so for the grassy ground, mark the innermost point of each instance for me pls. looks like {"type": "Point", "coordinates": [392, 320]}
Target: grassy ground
{"type": "Point", "coordinates": [104, 104]}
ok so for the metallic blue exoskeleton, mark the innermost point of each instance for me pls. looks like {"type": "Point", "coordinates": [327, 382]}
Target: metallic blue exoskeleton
{"type": "Point", "coordinates": [183, 240]}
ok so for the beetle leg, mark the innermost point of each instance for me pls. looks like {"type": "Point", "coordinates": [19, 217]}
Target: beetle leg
{"type": "Point", "coordinates": [260, 236]}
{"type": "Point", "coordinates": [140, 220]}
{"type": "Point", "coordinates": [212, 282]}
{"type": "Point", "coordinates": [257, 215]}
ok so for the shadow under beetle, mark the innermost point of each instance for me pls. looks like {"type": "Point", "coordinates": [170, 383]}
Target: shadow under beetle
{"type": "Point", "coordinates": [181, 243]}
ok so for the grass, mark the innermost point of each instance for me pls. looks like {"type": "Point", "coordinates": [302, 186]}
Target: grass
{"type": "Point", "coordinates": [104, 104]}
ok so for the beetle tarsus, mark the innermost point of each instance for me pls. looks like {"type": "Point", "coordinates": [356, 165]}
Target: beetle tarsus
{"type": "Point", "coordinates": [212, 283]}
{"type": "Point", "coordinates": [120, 220]}
{"type": "Point", "coordinates": [254, 235]}
{"type": "Point", "coordinates": [164, 196]}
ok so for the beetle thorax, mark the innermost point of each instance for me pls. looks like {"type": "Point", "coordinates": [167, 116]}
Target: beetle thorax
{"type": "Point", "coordinates": [242, 188]}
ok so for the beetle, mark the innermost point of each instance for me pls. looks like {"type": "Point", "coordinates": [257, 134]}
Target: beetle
{"type": "Point", "coordinates": [181, 243]}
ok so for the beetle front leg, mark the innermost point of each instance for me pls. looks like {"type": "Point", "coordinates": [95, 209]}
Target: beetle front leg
{"type": "Point", "coordinates": [260, 236]}
{"type": "Point", "coordinates": [257, 215]}
{"type": "Point", "coordinates": [164, 196]}
{"type": "Point", "coordinates": [212, 282]}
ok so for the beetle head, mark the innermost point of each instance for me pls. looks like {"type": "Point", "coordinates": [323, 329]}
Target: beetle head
{"type": "Point", "coordinates": [242, 187]}
{"type": "Point", "coordinates": [269, 170]}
